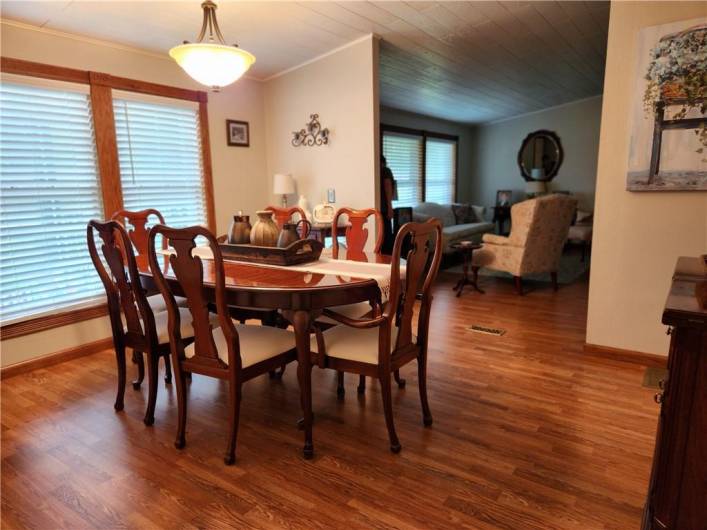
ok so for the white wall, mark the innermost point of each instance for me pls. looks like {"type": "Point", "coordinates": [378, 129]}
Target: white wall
{"type": "Point", "coordinates": [342, 89]}
{"type": "Point", "coordinates": [637, 236]}
{"type": "Point", "coordinates": [465, 149]}
{"type": "Point", "coordinates": [239, 174]}
{"type": "Point", "coordinates": [496, 145]}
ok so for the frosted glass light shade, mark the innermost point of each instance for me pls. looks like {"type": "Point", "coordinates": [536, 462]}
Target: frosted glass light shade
{"type": "Point", "coordinates": [213, 65]}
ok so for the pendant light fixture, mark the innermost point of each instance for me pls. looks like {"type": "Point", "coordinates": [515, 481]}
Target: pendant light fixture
{"type": "Point", "coordinates": [212, 63]}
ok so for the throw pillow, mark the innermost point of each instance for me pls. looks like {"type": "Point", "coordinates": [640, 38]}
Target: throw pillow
{"type": "Point", "coordinates": [479, 212]}
{"type": "Point", "coordinates": [584, 217]}
{"type": "Point", "coordinates": [463, 214]}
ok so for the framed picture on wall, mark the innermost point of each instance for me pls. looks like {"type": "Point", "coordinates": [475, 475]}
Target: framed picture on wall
{"type": "Point", "coordinates": [503, 197]}
{"type": "Point", "coordinates": [238, 133]}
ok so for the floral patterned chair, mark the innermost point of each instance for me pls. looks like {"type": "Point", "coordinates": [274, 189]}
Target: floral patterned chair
{"type": "Point", "coordinates": [538, 234]}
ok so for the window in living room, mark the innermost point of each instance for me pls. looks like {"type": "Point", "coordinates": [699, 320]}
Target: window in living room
{"type": "Point", "coordinates": [423, 163]}
{"type": "Point", "coordinates": [49, 187]}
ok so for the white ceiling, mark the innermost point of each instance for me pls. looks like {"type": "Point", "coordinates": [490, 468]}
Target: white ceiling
{"type": "Point", "coordinates": [463, 61]}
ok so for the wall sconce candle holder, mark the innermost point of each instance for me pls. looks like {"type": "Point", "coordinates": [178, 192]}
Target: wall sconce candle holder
{"type": "Point", "coordinates": [312, 134]}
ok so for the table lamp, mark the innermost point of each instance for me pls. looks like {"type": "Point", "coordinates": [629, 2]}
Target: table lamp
{"type": "Point", "coordinates": [534, 188]}
{"type": "Point", "coordinates": [283, 184]}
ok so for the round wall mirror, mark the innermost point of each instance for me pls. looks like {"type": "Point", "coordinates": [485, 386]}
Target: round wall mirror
{"type": "Point", "coordinates": [540, 156]}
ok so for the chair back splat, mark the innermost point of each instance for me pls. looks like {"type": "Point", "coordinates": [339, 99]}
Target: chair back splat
{"type": "Point", "coordinates": [284, 215]}
{"type": "Point", "coordinates": [189, 272]}
{"type": "Point", "coordinates": [139, 232]}
{"type": "Point", "coordinates": [356, 231]}
{"type": "Point", "coordinates": [424, 244]}
{"type": "Point", "coordinates": [123, 290]}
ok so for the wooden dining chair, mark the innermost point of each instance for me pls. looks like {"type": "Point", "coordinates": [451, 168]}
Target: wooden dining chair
{"type": "Point", "coordinates": [135, 223]}
{"type": "Point", "coordinates": [381, 344]}
{"type": "Point", "coordinates": [285, 215]}
{"type": "Point", "coordinates": [356, 235]}
{"type": "Point", "coordinates": [232, 352]}
{"type": "Point", "coordinates": [133, 323]}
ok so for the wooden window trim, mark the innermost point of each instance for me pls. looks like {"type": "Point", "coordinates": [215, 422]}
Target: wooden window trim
{"type": "Point", "coordinates": [45, 322]}
{"type": "Point", "coordinates": [425, 135]}
{"type": "Point", "coordinates": [101, 85]}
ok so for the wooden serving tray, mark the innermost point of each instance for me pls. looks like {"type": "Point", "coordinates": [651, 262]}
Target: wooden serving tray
{"type": "Point", "coordinates": [302, 251]}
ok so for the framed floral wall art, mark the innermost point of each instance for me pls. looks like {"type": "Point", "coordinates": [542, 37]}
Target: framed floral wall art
{"type": "Point", "coordinates": [669, 110]}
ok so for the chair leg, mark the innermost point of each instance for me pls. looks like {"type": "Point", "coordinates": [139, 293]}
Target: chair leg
{"type": "Point", "coordinates": [361, 389]}
{"type": "Point", "coordinates": [388, 409]}
{"type": "Point", "coordinates": [519, 285]}
{"type": "Point", "coordinates": [167, 370]}
{"type": "Point", "coordinates": [139, 360]}
{"type": "Point", "coordinates": [181, 380]}
{"type": "Point", "coordinates": [120, 360]}
{"type": "Point", "coordinates": [553, 276]}
{"type": "Point", "coordinates": [398, 379]}
{"type": "Point", "coordinates": [234, 413]}
{"type": "Point", "coordinates": [422, 383]}
{"type": "Point", "coordinates": [152, 375]}
{"type": "Point", "coordinates": [340, 391]}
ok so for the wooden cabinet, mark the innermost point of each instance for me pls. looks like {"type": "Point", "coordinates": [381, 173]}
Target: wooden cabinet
{"type": "Point", "coordinates": [677, 496]}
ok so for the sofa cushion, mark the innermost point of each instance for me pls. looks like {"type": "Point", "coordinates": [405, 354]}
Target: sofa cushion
{"type": "Point", "coordinates": [479, 213]}
{"type": "Point", "coordinates": [443, 212]}
{"type": "Point", "coordinates": [463, 213]}
{"type": "Point", "coordinates": [468, 231]}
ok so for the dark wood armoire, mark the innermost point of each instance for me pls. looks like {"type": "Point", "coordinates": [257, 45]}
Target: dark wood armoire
{"type": "Point", "coordinates": [677, 495]}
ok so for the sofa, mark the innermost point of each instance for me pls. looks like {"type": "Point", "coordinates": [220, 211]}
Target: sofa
{"type": "Point", "coordinates": [460, 222]}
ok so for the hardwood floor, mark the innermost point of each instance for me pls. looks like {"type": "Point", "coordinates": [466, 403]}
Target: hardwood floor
{"type": "Point", "coordinates": [529, 432]}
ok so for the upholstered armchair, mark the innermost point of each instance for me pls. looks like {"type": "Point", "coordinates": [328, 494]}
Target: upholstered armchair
{"type": "Point", "coordinates": [538, 234]}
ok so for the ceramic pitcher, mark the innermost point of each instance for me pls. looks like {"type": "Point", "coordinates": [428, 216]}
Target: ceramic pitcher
{"type": "Point", "coordinates": [290, 234]}
{"type": "Point", "coordinates": [264, 232]}
{"type": "Point", "coordinates": [239, 231]}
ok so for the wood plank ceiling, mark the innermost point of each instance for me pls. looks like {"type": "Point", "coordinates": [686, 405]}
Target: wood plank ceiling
{"type": "Point", "coordinates": [470, 62]}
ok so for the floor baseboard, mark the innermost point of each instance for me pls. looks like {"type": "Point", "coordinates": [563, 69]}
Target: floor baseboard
{"type": "Point", "coordinates": [56, 358]}
{"type": "Point", "coordinates": [629, 356]}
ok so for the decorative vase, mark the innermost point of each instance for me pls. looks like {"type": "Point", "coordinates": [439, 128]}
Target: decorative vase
{"type": "Point", "coordinates": [264, 232]}
{"type": "Point", "coordinates": [304, 204]}
{"type": "Point", "coordinates": [289, 233]}
{"type": "Point", "coordinates": [239, 231]}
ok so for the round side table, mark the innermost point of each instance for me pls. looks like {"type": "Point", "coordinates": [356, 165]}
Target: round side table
{"type": "Point", "coordinates": [466, 250]}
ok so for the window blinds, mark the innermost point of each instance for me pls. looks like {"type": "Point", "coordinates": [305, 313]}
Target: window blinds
{"type": "Point", "coordinates": [159, 148]}
{"type": "Point", "coordinates": [440, 170]}
{"type": "Point", "coordinates": [50, 189]}
{"type": "Point", "coordinates": [403, 153]}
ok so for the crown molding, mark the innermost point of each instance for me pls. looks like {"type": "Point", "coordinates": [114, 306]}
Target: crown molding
{"type": "Point", "coordinates": [531, 113]}
{"type": "Point", "coordinates": [369, 36]}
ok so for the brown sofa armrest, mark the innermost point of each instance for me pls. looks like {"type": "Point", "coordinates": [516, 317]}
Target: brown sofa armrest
{"type": "Point", "coordinates": [496, 240]}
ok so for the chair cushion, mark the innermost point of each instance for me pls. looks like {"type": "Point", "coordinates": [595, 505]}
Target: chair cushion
{"type": "Point", "coordinates": [354, 311]}
{"type": "Point", "coordinates": [185, 327]}
{"type": "Point", "coordinates": [361, 345]}
{"type": "Point", "coordinates": [257, 343]}
{"type": "Point", "coordinates": [157, 303]}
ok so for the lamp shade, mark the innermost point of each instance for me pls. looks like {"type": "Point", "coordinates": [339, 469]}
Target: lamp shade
{"type": "Point", "coordinates": [213, 65]}
{"type": "Point", "coordinates": [283, 184]}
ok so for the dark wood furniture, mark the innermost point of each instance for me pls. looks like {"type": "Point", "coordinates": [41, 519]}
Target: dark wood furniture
{"type": "Point", "coordinates": [467, 252]}
{"type": "Point", "coordinates": [501, 216]}
{"type": "Point", "coordinates": [302, 296]}
{"type": "Point", "coordinates": [135, 223]}
{"type": "Point", "coordinates": [127, 300]}
{"type": "Point", "coordinates": [677, 496]}
{"type": "Point", "coordinates": [389, 331]}
{"type": "Point", "coordinates": [320, 231]}
{"type": "Point", "coordinates": [356, 235]}
{"type": "Point", "coordinates": [284, 215]}
{"type": "Point", "coordinates": [233, 353]}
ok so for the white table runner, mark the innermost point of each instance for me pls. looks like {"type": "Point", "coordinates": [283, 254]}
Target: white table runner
{"type": "Point", "coordinates": [347, 269]}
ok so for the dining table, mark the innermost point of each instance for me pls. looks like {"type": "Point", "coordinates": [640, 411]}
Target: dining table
{"type": "Point", "coordinates": [300, 293]}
